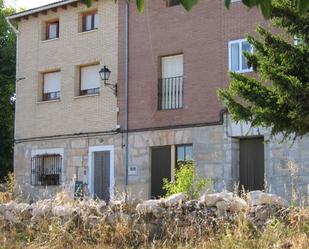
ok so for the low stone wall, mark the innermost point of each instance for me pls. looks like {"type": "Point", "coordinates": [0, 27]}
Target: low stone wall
{"type": "Point", "coordinates": [152, 215]}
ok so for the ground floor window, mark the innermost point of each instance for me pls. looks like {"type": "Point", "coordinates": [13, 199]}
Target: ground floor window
{"type": "Point", "coordinates": [184, 153]}
{"type": "Point", "coordinates": [46, 170]}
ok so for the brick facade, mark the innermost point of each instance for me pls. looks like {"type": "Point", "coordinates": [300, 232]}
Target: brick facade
{"type": "Point", "coordinates": [202, 35]}
{"type": "Point", "coordinates": [71, 114]}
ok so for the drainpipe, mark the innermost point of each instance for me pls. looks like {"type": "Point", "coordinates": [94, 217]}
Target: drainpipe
{"type": "Point", "coordinates": [126, 125]}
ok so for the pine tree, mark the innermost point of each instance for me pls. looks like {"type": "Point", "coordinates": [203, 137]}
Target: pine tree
{"type": "Point", "coordinates": [278, 97]}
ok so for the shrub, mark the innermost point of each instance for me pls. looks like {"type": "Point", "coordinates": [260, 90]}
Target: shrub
{"type": "Point", "coordinates": [186, 181]}
{"type": "Point", "coordinates": [9, 187]}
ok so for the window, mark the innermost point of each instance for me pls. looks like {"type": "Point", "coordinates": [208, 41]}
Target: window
{"type": "Point", "coordinates": [90, 79]}
{"type": "Point", "coordinates": [297, 40]}
{"type": "Point", "coordinates": [51, 86]}
{"type": "Point", "coordinates": [184, 152]}
{"type": "Point", "coordinates": [46, 170]}
{"type": "Point", "coordinates": [90, 21]}
{"type": "Point", "coordinates": [237, 60]}
{"type": "Point", "coordinates": [52, 30]}
{"type": "Point", "coordinates": [170, 3]}
{"type": "Point", "coordinates": [170, 95]}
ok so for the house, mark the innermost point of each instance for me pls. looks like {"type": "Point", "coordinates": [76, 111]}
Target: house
{"type": "Point", "coordinates": [168, 65]}
{"type": "Point", "coordinates": [65, 115]}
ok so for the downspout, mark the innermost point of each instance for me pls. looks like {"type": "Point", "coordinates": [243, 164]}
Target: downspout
{"type": "Point", "coordinates": [126, 123]}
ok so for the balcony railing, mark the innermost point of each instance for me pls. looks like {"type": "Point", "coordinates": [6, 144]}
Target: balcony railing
{"type": "Point", "coordinates": [51, 96]}
{"type": "Point", "coordinates": [90, 91]}
{"type": "Point", "coordinates": [170, 93]}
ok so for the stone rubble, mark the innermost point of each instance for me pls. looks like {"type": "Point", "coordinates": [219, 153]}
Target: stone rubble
{"type": "Point", "coordinates": [176, 208]}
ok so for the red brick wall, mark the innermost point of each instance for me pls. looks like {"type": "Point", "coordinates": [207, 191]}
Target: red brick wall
{"type": "Point", "coordinates": [202, 36]}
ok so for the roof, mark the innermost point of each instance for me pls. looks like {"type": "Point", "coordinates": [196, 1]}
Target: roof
{"type": "Point", "coordinates": [40, 9]}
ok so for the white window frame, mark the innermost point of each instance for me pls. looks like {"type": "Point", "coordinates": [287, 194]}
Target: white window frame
{"type": "Point", "coordinates": [53, 151]}
{"type": "Point", "coordinates": [91, 151]}
{"type": "Point", "coordinates": [239, 41]}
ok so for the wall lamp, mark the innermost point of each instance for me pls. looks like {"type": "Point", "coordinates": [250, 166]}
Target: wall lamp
{"type": "Point", "coordinates": [104, 74]}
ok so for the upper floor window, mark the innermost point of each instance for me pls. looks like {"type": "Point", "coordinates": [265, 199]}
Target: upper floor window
{"type": "Point", "coordinates": [52, 30]}
{"type": "Point", "coordinates": [297, 40]}
{"type": "Point", "coordinates": [90, 79]}
{"type": "Point", "coordinates": [51, 86]}
{"type": "Point", "coordinates": [170, 3]}
{"type": "Point", "coordinates": [170, 95]}
{"type": "Point", "coordinates": [90, 21]}
{"type": "Point", "coordinates": [46, 170]}
{"type": "Point", "coordinates": [237, 60]}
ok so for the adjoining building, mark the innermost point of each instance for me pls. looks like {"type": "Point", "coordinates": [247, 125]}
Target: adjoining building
{"type": "Point", "coordinates": [66, 117]}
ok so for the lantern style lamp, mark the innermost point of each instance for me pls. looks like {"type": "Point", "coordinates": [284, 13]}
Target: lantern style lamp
{"type": "Point", "coordinates": [104, 75]}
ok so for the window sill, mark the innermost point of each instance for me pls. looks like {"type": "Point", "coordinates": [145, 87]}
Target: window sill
{"type": "Point", "coordinates": [172, 109]}
{"type": "Point", "coordinates": [86, 95]}
{"type": "Point", "coordinates": [50, 40]}
{"type": "Point", "coordinates": [242, 71]}
{"type": "Point", "coordinates": [87, 32]}
{"type": "Point", "coordinates": [48, 101]}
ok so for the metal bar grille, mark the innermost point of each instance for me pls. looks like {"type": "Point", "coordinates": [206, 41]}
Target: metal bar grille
{"type": "Point", "coordinates": [170, 93]}
{"type": "Point", "coordinates": [46, 170]}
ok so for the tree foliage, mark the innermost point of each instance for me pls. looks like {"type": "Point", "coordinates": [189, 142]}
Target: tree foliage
{"type": "Point", "coordinates": [264, 5]}
{"type": "Point", "coordinates": [186, 181]}
{"type": "Point", "coordinates": [278, 97]}
{"type": "Point", "coordinates": [7, 81]}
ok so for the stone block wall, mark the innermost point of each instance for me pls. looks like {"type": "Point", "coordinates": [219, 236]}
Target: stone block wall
{"type": "Point", "coordinates": [75, 162]}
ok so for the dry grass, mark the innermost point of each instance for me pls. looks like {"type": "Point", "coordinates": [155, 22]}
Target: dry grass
{"type": "Point", "coordinates": [292, 231]}
{"type": "Point", "coordinates": [288, 230]}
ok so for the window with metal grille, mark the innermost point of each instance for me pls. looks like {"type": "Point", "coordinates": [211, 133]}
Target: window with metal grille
{"type": "Point", "coordinates": [170, 86]}
{"type": "Point", "coordinates": [46, 170]}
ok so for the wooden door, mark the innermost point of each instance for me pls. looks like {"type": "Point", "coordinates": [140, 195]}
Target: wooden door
{"type": "Point", "coordinates": [102, 175]}
{"type": "Point", "coordinates": [160, 169]}
{"type": "Point", "coordinates": [251, 168]}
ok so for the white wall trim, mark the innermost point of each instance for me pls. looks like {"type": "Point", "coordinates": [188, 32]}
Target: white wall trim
{"type": "Point", "coordinates": [91, 150]}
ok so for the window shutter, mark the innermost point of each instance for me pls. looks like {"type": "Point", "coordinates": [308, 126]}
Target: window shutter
{"type": "Point", "coordinates": [90, 77]}
{"type": "Point", "coordinates": [52, 82]}
{"type": "Point", "coordinates": [96, 20]}
{"type": "Point", "coordinates": [88, 22]}
{"type": "Point", "coordinates": [172, 66]}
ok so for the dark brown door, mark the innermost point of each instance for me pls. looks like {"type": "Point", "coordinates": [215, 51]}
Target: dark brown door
{"type": "Point", "coordinates": [251, 169]}
{"type": "Point", "coordinates": [102, 175]}
{"type": "Point", "coordinates": [160, 169]}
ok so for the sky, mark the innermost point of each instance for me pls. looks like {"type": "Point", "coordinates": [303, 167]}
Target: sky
{"type": "Point", "coordinates": [28, 4]}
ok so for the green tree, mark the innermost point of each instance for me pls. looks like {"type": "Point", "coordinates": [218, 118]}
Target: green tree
{"type": "Point", "coordinates": [278, 97]}
{"type": "Point", "coordinates": [186, 181]}
{"type": "Point", "coordinates": [7, 82]}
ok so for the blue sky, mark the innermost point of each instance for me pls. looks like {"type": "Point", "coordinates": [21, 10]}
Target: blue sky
{"type": "Point", "coordinates": [28, 4]}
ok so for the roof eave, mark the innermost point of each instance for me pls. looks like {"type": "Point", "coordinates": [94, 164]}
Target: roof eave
{"type": "Point", "coordinates": [40, 9]}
